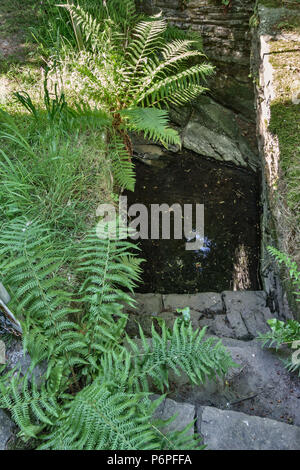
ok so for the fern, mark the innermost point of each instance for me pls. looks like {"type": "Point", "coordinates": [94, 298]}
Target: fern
{"type": "Point", "coordinates": [128, 67]}
{"type": "Point", "coordinates": [154, 123]}
{"type": "Point", "coordinates": [99, 419]}
{"type": "Point", "coordinates": [30, 262]}
{"type": "Point", "coordinates": [107, 275]}
{"type": "Point", "coordinates": [32, 407]}
{"type": "Point", "coordinates": [69, 292]}
{"type": "Point", "coordinates": [284, 333]}
{"type": "Point", "coordinates": [122, 166]}
{"type": "Point", "coordinates": [182, 351]}
{"type": "Point", "coordinates": [94, 392]}
{"type": "Point", "coordinates": [292, 267]}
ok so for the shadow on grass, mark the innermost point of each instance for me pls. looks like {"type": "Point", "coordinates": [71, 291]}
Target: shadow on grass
{"type": "Point", "coordinates": [16, 19]}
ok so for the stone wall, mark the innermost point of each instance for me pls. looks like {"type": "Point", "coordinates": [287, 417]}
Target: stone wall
{"type": "Point", "coordinates": [226, 41]}
{"type": "Point", "coordinates": [239, 315]}
{"type": "Point", "coordinates": [275, 225]}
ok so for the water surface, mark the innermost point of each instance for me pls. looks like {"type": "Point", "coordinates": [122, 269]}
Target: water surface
{"type": "Point", "coordinates": [230, 256]}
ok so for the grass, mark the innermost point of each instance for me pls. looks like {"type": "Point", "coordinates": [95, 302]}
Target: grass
{"type": "Point", "coordinates": [16, 19]}
{"type": "Point", "coordinates": [58, 171]}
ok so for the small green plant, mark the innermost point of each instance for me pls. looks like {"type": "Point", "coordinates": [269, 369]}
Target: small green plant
{"type": "Point", "coordinates": [288, 333]}
{"type": "Point", "coordinates": [186, 314]}
{"type": "Point", "coordinates": [281, 333]}
{"type": "Point", "coordinates": [284, 334]}
{"type": "Point", "coordinates": [292, 267]}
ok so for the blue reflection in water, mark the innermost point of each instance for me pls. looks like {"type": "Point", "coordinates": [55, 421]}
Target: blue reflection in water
{"type": "Point", "coordinates": [207, 246]}
{"type": "Point", "coordinates": [203, 252]}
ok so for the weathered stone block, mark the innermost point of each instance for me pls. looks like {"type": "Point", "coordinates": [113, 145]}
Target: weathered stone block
{"type": "Point", "coordinates": [7, 429]}
{"type": "Point", "coordinates": [230, 430]}
{"type": "Point", "coordinates": [247, 312]}
{"type": "Point", "coordinates": [204, 303]}
{"type": "Point", "coordinates": [185, 415]}
{"type": "Point", "coordinates": [147, 304]}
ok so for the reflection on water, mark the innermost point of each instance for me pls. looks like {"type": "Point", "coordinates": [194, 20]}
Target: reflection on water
{"type": "Point", "coordinates": [207, 246]}
{"type": "Point", "coordinates": [229, 258]}
{"type": "Point", "coordinates": [241, 275]}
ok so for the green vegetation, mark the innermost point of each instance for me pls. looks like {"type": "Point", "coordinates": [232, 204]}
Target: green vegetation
{"type": "Point", "coordinates": [65, 149]}
{"type": "Point", "coordinates": [285, 124]}
{"type": "Point", "coordinates": [292, 267]}
{"type": "Point", "coordinates": [95, 389]}
{"type": "Point", "coordinates": [288, 333]}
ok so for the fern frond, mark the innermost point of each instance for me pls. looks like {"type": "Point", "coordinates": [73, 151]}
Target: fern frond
{"type": "Point", "coordinates": [122, 166]}
{"type": "Point", "coordinates": [174, 56]}
{"type": "Point", "coordinates": [153, 123]}
{"type": "Point", "coordinates": [89, 25]}
{"type": "Point", "coordinates": [31, 266]}
{"type": "Point", "coordinates": [183, 350]}
{"type": "Point", "coordinates": [89, 117]}
{"type": "Point", "coordinates": [33, 408]}
{"type": "Point", "coordinates": [108, 274]}
{"type": "Point", "coordinates": [162, 91]}
{"type": "Point", "coordinates": [100, 420]}
{"type": "Point", "coordinates": [146, 39]}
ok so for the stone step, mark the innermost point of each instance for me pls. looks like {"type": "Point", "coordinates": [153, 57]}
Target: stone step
{"type": "Point", "coordinates": [220, 429]}
{"type": "Point", "coordinates": [260, 386]}
{"type": "Point", "coordinates": [229, 430]}
{"type": "Point", "coordinates": [239, 314]}
{"type": "Point", "coordinates": [7, 430]}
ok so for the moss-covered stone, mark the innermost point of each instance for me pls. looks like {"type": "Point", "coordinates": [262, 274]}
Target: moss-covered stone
{"type": "Point", "coordinates": [285, 116]}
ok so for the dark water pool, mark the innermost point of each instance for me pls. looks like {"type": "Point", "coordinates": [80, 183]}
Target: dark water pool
{"type": "Point", "coordinates": [229, 258]}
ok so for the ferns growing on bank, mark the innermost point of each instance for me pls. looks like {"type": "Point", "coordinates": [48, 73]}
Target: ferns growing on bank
{"type": "Point", "coordinates": [95, 376]}
{"type": "Point", "coordinates": [69, 295]}
{"type": "Point", "coordinates": [69, 286]}
{"type": "Point", "coordinates": [129, 70]}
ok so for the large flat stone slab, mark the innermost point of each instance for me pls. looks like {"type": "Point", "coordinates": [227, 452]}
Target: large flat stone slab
{"type": "Point", "coordinates": [261, 386]}
{"type": "Point", "coordinates": [7, 428]}
{"type": "Point", "coordinates": [230, 430]}
{"type": "Point", "coordinates": [186, 413]}
{"type": "Point", "coordinates": [151, 306]}
{"type": "Point", "coordinates": [209, 143]}
{"type": "Point", "coordinates": [204, 303]}
{"type": "Point", "coordinates": [215, 131]}
{"type": "Point", "coordinates": [247, 313]}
